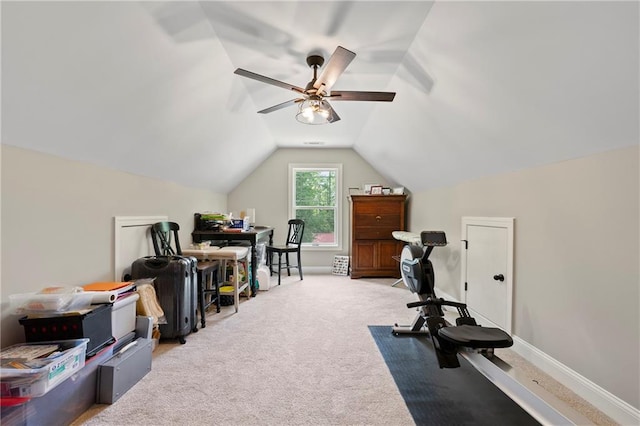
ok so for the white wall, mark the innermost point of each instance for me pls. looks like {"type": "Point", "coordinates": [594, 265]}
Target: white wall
{"type": "Point", "coordinates": [57, 220]}
{"type": "Point", "coordinates": [266, 189]}
{"type": "Point", "coordinates": [576, 284]}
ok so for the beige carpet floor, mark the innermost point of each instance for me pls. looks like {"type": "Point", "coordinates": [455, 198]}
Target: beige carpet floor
{"type": "Point", "coordinates": [297, 354]}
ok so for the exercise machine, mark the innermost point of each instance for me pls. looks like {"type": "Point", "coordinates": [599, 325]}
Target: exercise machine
{"type": "Point", "coordinates": [466, 338]}
{"type": "Point", "coordinates": [418, 275]}
{"type": "Point", "coordinates": [417, 252]}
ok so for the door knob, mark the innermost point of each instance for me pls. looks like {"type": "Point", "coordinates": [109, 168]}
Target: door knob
{"type": "Point", "coordinates": [499, 277]}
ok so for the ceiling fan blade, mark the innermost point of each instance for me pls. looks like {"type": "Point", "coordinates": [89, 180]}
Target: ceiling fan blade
{"type": "Point", "coordinates": [345, 95]}
{"type": "Point", "coordinates": [280, 106]}
{"type": "Point", "coordinates": [336, 65]}
{"type": "Point", "coordinates": [268, 80]}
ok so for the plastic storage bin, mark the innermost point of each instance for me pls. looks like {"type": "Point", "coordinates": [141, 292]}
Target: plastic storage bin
{"type": "Point", "coordinates": [93, 324]}
{"type": "Point", "coordinates": [32, 382]}
{"type": "Point", "coordinates": [123, 315]}
{"type": "Point", "coordinates": [264, 279]}
{"type": "Point", "coordinates": [53, 303]}
{"type": "Point", "coordinates": [62, 405]}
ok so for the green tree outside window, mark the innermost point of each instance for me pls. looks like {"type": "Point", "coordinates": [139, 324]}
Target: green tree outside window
{"type": "Point", "coordinates": [315, 202]}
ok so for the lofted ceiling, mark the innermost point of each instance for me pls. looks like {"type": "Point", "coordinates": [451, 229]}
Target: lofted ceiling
{"type": "Point", "coordinates": [482, 87]}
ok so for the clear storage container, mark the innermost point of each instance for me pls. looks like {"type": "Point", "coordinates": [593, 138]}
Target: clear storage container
{"type": "Point", "coordinates": [18, 377]}
{"type": "Point", "coordinates": [43, 303]}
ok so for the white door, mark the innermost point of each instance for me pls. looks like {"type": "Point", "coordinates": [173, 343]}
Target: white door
{"type": "Point", "coordinates": [487, 279]}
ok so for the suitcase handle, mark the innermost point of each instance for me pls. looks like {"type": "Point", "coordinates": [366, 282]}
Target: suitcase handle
{"type": "Point", "coordinates": [161, 262]}
{"type": "Point", "coordinates": [157, 262]}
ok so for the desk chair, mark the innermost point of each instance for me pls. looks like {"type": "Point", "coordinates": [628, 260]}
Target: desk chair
{"type": "Point", "coordinates": [293, 244]}
{"type": "Point", "coordinates": [162, 234]}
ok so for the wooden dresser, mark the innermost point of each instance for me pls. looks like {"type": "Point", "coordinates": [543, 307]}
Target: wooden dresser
{"type": "Point", "coordinates": [373, 219]}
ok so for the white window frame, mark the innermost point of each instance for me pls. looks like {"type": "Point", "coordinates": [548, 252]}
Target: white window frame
{"type": "Point", "coordinates": [293, 169]}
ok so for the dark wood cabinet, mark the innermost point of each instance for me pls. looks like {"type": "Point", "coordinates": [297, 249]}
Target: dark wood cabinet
{"type": "Point", "coordinates": [373, 219]}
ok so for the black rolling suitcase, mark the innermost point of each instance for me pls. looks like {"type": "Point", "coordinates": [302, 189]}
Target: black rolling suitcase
{"type": "Point", "coordinates": [176, 289]}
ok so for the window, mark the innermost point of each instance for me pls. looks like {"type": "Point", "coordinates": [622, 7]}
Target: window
{"type": "Point", "coordinates": [315, 198]}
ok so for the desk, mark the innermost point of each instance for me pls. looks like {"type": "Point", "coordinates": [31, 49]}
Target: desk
{"type": "Point", "coordinates": [254, 235]}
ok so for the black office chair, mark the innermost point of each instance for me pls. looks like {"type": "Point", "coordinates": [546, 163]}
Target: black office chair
{"type": "Point", "coordinates": [162, 235]}
{"type": "Point", "coordinates": [293, 244]}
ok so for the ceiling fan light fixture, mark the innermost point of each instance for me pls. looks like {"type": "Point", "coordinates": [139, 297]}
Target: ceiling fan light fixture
{"type": "Point", "coordinates": [314, 110]}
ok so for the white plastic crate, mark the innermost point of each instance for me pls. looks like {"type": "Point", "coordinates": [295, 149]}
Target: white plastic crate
{"type": "Point", "coordinates": [123, 315]}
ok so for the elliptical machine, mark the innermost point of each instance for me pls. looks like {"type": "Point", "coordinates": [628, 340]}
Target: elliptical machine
{"type": "Point", "coordinates": [417, 273]}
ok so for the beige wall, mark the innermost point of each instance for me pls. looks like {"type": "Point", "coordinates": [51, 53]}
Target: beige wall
{"type": "Point", "coordinates": [576, 285]}
{"type": "Point", "coordinates": [57, 220]}
{"type": "Point", "coordinates": [266, 189]}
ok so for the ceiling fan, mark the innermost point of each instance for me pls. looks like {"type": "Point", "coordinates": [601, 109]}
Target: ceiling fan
{"type": "Point", "coordinates": [313, 105]}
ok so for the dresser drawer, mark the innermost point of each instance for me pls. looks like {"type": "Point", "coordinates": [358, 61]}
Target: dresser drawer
{"type": "Point", "coordinates": [373, 233]}
{"type": "Point", "coordinates": [383, 220]}
{"type": "Point", "coordinates": [374, 207]}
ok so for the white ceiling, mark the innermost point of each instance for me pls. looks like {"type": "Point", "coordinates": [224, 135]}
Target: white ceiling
{"type": "Point", "coordinates": [482, 87]}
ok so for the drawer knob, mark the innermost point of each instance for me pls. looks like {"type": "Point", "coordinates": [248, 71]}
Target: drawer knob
{"type": "Point", "coordinates": [378, 217]}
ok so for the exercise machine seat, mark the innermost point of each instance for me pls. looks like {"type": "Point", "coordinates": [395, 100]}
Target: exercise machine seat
{"type": "Point", "coordinates": [476, 337]}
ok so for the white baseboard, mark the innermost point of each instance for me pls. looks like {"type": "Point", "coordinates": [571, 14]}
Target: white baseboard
{"type": "Point", "coordinates": [619, 410]}
{"type": "Point", "coordinates": [446, 296]}
{"type": "Point", "coordinates": [603, 400]}
{"type": "Point", "coordinates": [316, 269]}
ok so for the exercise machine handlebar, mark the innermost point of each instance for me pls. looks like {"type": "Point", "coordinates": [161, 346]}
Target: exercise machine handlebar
{"type": "Point", "coordinates": [437, 302]}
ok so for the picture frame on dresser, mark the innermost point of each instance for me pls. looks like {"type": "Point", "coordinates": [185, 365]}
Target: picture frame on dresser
{"type": "Point", "coordinates": [366, 188]}
{"type": "Point", "coordinates": [376, 190]}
